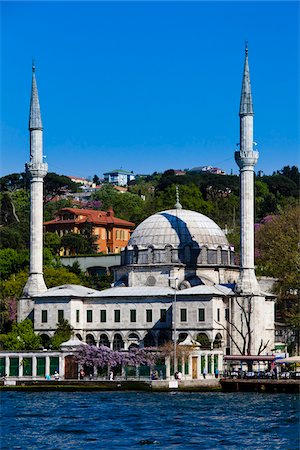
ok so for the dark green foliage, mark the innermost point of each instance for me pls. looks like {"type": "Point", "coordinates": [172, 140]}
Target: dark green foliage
{"type": "Point", "coordinates": [12, 261]}
{"type": "Point", "coordinates": [55, 184]}
{"type": "Point", "coordinates": [50, 208]}
{"type": "Point", "coordinates": [80, 244]}
{"type": "Point", "coordinates": [62, 334]}
{"type": "Point", "coordinates": [21, 337]}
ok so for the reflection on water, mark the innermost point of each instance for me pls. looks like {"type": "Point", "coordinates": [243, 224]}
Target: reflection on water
{"type": "Point", "coordinates": [135, 420]}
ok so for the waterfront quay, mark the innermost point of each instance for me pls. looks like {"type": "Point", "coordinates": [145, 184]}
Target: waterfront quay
{"type": "Point", "coordinates": [223, 384]}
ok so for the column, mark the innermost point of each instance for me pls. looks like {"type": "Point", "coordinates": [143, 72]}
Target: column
{"type": "Point", "coordinates": [21, 367]}
{"type": "Point", "coordinates": [47, 365]}
{"type": "Point", "coordinates": [34, 366]}
{"type": "Point", "coordinates": [7, 365]}
{"type": "Point", "coordinates": [61, 366]}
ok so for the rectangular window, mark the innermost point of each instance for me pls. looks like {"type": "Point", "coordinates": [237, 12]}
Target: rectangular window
{"type": "Point", "coordinates": [60, 314]}
{"type": "Point", "coordinates": [201, 315]}
{"type": "Point", "coordinates": [103, 315]}
{"type": "Point", "coordinates": [183, 315]}
{"type": "Point", "coordinates": [89, 315]}
{"type": "Point", "coordinates": [133, 315]}
{"type": "Point", "coordinates": [77, 315]}
{"type": "Point", "coordinates": [163, 315]}
{"type": "Point", "coordinates": [149, 315]}
{"type": "Point", "coordinates": [218, 315]}
{"type": "Point", "coordinates": [227, 314]}
{"type": "Point", "coordinates": [44, 316]}
{"type": "Point", "coordinates": [117, 315]}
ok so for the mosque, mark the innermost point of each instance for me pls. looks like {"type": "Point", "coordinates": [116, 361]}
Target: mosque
{"type": "Point", "coordinates": [177, 279]}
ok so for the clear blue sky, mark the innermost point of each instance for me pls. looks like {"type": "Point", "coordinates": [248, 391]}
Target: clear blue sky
{"type": "Point", "coordinates": [148, 86]}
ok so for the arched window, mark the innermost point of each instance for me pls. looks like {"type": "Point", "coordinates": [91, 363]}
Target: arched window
{"type": "Point", "coordinates": [182, 337]}
{"type": "Point", "coordinates": [90, 340]}
{"type": "Point", "coordinates": [104, 340]}
{"type": "Point", "coordinates": [149, 340]}
{"type": "Point", "coordinates": [79, 336]}
{"type": "Point", "coordinates": [118, 342]}
{"type": "Point", "coordinates": [168, 252]}
{"type": "Point", "coordinates": [203, 339]}
{"type": "Point", "coordinates": [45, 340]}
{"type": "Point", "coordinates": [218, 341]}
{"type": "Point", "coordinates": [135, 254]}
{"type": "Point", "coordinates": [203, 254]}
{"type": "Point", "coordinates": [150, 252]}
{"type": "Point", "coordinates": [133, 336]}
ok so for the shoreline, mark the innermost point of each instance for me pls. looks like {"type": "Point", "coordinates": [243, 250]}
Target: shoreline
{"type": "Point", "coordinates": [222, 385]}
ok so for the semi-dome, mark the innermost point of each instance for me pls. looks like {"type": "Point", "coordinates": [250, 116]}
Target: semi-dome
{"type": "Point", "coordinates": [178, 228]}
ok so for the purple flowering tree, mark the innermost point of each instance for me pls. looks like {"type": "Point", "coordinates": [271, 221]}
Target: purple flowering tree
{"type": "Point", "coordinates": [103, 357]}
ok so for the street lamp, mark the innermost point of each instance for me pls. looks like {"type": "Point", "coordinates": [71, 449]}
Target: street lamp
{"type": "Point", "coordinates": [174, 322]}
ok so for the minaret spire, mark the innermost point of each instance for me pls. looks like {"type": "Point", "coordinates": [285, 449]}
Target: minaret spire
{"type": "Point", "coordinates": [246, 159]}
{"type": "Point", "coordinates": [246, 105]}
{"type": "Point", "coordinates": [35, 119]}
{"type": "Point", "coordinates": [37, 170]}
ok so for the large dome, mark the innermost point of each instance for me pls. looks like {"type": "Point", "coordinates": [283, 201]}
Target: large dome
{"type": "Point", "coordinates": [178, 227]}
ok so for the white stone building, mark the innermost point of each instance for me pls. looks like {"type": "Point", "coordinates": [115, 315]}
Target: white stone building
{"type": "Point", "coordinates": [177, 280]}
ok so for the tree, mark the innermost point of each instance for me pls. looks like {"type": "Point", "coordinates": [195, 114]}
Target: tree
{"type": "Point", "coordinates": [52, 241]}
{"type": "Point", "coordinates": [59, 276]}
{"type": "Point", "coordinates": [96, 180]}
{"type": "Point", "coordinates": [77, 244]}
{"type": "Point", "coordinates": [21, 337]}
{"type": "Point", "coordinates": [62, 334]}
{"type": "Point", "coordinates": [240, 332]}
{"type": "Point", "coordinates": [277, 245]}
{"type": "Point", "coordinates": [55, 184]}
{"type": "Point", "coordinates": [11, 262]}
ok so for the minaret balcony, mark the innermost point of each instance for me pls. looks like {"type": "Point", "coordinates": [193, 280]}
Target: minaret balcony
{"type": "Point", "coordinates": [37, 169]}
{"type": "Point", "coordinates": [246, 159]}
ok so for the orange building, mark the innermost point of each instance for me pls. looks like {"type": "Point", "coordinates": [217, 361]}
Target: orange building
{"type": "Point", "coordinates": [111, 233]}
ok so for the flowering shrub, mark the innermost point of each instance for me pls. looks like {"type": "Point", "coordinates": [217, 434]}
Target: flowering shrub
{"type": "Point", "coordinates": [92, 356]}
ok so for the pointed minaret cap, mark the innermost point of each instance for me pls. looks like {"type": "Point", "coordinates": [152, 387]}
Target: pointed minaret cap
{"type": "Point", "coordinates": [35, 119]}
{"type": "Point", "coordinates": [177, 204]}
{"type": "Point", "coordinates": [246, 106]}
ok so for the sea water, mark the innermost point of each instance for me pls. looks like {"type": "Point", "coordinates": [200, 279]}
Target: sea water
{"type": "Point", "coordinates": [135, 420]}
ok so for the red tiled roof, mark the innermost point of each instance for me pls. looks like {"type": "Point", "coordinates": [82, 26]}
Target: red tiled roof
{"type": "Point", "coordinates": [91, 216]}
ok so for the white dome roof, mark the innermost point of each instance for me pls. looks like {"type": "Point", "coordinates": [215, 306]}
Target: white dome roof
{"type": "Point", "coordinates": [178, 227]}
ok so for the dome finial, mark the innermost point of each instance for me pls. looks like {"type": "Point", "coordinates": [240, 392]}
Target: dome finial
{"type": "Point", "coordinates": [177, 204]}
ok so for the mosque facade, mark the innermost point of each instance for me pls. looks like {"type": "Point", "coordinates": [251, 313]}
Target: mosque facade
{"type": "Point", "coordinates": [177, 279]}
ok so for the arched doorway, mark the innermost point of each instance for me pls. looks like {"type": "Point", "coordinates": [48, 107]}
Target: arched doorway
{"type": "Point", "coordinates": [118, 342]}
{"type": "Point", "coordinates": [104, 340]}
{"type": "Point", "coordinates": [79, 336]}
{"type": "Point", "coordinates": [182, 337]}
{"type": "Point", "coordinates": [203, 339]}
{"type": "Point", "coordinates": [45, 340]}
{"type": "Point", "coordinates": [90, 340]}
{"type": "Point", "coordinates": [218, 341]}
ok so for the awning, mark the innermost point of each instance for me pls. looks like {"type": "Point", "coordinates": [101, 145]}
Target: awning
{"type": "Point", "coordinates": [249, 358]}
{"type": "Point", "coordinates": [289, 360]}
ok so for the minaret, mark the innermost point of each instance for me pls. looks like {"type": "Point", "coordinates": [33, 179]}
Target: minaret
{"type": "Point", "coordinates": [37, 170]}
{"type": "Point", "coordinates": [246, 159]}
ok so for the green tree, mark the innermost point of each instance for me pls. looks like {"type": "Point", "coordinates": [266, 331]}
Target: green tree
{"type": "Point", "coordinates": [51, 207]}
{"type": "Point", "coordinates": [277, 243]}
{"type": "Point", "coordinates": [59, 276]}
{"type": "Point", "coordinates": [52, 241]}
{"type": "Point", "coordinates": [21, 337]}
{"type": "Point", "coordinates": [62, 334]}
{"type": "Point", "coordinates": [12, 261]}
